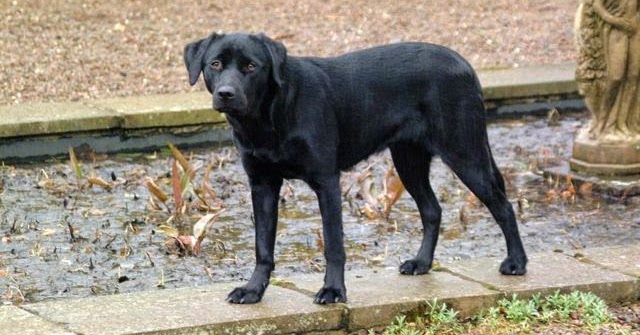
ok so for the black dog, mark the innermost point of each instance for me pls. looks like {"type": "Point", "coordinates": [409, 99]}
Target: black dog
{"type": "Point", "coordinates": [309, 118]}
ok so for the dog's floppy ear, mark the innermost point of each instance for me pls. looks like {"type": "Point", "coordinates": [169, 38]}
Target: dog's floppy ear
{"type": "Point", "coordinates": [278, 54]}
{"type": "Point", "coordinates": [193, 54]}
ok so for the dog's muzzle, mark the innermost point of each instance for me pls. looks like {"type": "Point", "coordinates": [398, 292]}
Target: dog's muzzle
{"type": "Point", "coordinates": [227, 100]}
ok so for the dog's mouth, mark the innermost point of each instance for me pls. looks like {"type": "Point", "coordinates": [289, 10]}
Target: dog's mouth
{"type": "Point", "coordinates": [229, 108]}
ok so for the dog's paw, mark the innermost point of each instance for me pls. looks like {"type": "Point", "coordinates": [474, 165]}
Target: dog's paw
{"type": "Point", "coordinates": [244, 295]}
{"type": "Point", "coordinates": [330, 295]}
{"type": "Point", "coordinates": [514, 266]}
{"type": "Point", "coordinates": [414, 267]}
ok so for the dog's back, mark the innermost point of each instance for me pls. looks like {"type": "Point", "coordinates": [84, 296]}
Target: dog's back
{"type": "Point", "coordinates": [399, 92]}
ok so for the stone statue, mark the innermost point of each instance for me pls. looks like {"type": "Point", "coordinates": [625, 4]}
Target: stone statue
{"type": "Point", "coordinates": [609, 65]}
{"type": "Point", "coordinates": [608, 73]}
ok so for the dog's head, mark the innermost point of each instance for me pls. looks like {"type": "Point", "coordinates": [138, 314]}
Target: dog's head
{"type": "Point", "coordinates": [238, 69]}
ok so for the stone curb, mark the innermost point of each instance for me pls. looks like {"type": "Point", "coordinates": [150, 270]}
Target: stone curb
{"type": "Point", "coordinates": [527, 82]}
{"type": "Point", "coordinates": [154, 111]}
{"type": "Point", "coordinates": [35, 130]}
{"type": "Point", "coordinates": [375, 298]}
{"type": "Point", "coordinates": [185, 109]}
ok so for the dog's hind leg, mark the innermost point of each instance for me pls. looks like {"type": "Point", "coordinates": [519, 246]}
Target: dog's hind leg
{"type": "Point", "coordinates": [412, 162]}
{"type": "Point", "coordinates": [478, 171]}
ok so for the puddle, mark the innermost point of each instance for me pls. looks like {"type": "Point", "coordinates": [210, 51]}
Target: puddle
{"type": "Point", "coordinates": [116, 248]}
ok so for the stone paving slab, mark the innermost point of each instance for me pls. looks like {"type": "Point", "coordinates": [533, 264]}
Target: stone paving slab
{"type": "Point", "coordinates": [200, 310]}
{"type": "Point", "coordinates": [14, 320]}
{"type": "Point", "coordinates": [549, 272]}
{"type": "Point", "coordinates": [166, 110]}
{"type": "Point", "coordinates": [529, 81]}
{"type": "Point", "coordinates": [376, 297]}
{"type": "Point", "coordinates": [625, 259]}
{"type": "Point", "coordinates": [51, 118]}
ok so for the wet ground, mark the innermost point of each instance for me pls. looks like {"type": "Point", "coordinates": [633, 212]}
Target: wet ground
{"type": "Point", "coordinates": [62, 239]}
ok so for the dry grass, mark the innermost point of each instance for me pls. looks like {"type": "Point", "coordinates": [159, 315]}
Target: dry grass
{"type": "Point", "coordinates": [68, 50]}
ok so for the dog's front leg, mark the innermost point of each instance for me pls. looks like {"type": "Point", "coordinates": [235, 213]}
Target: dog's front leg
{"type": "Point", "coordinates": [329, 198]}
{"type": "Point", "coordinates": [265, 193]}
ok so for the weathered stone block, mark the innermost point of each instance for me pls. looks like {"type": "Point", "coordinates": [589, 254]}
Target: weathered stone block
{"type": "Point", "coordinates": [166, 110]}
{"type": "Point", "coordinates": [14, 320]}
{"type": "Point", "coordinates": [625, 259]}
{"type": "Point", "coordinates": [547, 273]}
{"type": "Point", "coordinates": [54, 118]}
{"type": "Point", "coordinates": [376, 297]}
{"type": "Point", "coordinates": [199, 310]}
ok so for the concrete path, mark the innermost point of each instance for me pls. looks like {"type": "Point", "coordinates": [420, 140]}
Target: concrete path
{"type": "Point", "coordinates": [138, 123]}
{"type": "Point", "coordinates": [376, 296]}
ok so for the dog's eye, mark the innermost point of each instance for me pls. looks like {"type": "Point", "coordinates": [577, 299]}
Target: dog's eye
{"type": "Point", "coordinates": [249, 68]}
{"type": "Point", "coordinates": [216, 65]}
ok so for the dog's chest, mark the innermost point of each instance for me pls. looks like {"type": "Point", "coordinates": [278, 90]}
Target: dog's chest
{"type": "Point", "coordinates": [288, 159]}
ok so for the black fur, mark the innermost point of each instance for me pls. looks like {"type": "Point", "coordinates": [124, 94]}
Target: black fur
{"type": "Point", "coordinates": [309, 118]}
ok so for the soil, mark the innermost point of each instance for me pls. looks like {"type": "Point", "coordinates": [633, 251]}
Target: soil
{"type": "Point", "coordinates": [60, 50]}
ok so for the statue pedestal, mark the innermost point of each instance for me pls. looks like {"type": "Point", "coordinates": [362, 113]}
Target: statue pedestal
{"type": "Point", "coordinates": [611, 186]}
{"type": "Point", "coordinates": [605, 156]}
{"type": "Point", "coordinates": [611, 167]}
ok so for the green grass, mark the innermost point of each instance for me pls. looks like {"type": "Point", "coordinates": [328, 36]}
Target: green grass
{"type": "Point", "coordinates": [581, 309]}
{"type": "Point", "coordinates": [437, 319]}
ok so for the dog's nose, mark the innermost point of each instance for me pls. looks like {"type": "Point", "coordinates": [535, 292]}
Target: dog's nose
{"type": "Point", "coordinates": [226, 93]}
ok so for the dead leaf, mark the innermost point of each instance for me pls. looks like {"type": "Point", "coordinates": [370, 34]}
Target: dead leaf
{"type": "Point", "coordinates": [365, 183]}
{"type": "Point", "coordinates": [586, 190]}
{"type": "Point", "coordinates": [570, 191]}
{"type": "Point", "coordinates": [75, 165]}
{"type": "Point", "coordinates": [319, 240]}
{"type": "Point", "coordinates": [453, 232]}
{"type": "Point", "coordinates": [176, 186]}
{"type": "Point", "coordinates": [553, 117]}
{"type": "Point", "coordinates": [369, 212]}
{"type": "Point", "coordinates": [208, 190]}
{"type": "Point", "coordinates": [169, 231]}
{"type": "Point", "coordinates": [99, 182]}
{"type": "Point", "coordinates": [46, 184]}
{"type": "Point", "coordinates": [183, 243]}
{"type": "Point", "coordinates": [186, 166]}
{"type": "Point", "coordinates": [96, 212]}
{"type": "Point", "coordinates": [49, 232]}
{"type": "Point", "coordinates": [393, 189]}
{"type": "Point", "coordinates": [154, 205]}
{"type": "Point", "coordinates": [472, 200]}
{"type": "Point", "coordinates": [464, 215]}
{"type": "Point", "coordinates": [523, 204]}
{"type": "Point", "coordinates": [201, 227]}
{"type": "Point", "coordinates": [155, 190]}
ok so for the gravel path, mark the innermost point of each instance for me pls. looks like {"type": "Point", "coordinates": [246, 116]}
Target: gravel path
{"type": "Point", "coordinates": [80, 49]}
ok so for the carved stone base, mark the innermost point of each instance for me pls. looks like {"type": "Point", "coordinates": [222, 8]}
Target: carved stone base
{"type": "Point", "coordinates": [601, 157]}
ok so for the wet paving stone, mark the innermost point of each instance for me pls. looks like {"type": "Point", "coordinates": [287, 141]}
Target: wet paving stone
{"type": "Point", "coordinates": [201, 310]}
{"type": "Point", "coordinates": [547, 273]}
{"type": "Point", "coordinates": [376, 297]}
{"type": "Point", "coordinates": [622, 259]}
{"type": "Point", "coordinates": [14, 320]}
